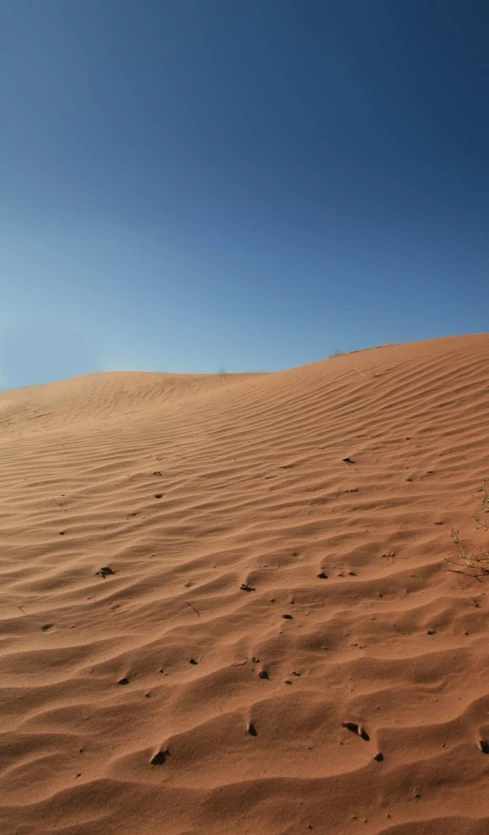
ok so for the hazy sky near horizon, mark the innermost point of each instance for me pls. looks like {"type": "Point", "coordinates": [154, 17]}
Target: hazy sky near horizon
{"type": "Point", "coordinates": [204, 184]}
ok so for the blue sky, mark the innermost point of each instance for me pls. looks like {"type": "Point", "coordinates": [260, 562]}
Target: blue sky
{"type": "Point", "coordinates": [189, 185]}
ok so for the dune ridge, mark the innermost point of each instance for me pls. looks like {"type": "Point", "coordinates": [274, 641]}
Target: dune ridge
{"type": "Point", "coordinates": [282, 633]}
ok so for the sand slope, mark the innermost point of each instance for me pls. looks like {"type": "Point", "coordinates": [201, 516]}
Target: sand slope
{"type": "Point", "coordinates": [189, 487]}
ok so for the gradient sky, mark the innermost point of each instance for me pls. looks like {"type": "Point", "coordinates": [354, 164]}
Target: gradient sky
{"type": "Point", "coordinates": [204, 184]}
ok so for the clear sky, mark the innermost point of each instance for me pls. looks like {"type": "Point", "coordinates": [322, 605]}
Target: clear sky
{"type": "Point", "coordinates": [204, 184]}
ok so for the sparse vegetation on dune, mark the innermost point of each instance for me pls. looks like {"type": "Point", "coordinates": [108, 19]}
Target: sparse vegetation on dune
{"type": "Point", "coordinates": [471, 560]}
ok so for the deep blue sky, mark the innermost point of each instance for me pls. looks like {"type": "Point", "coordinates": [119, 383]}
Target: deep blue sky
{"type": "Point", "coordinates": [198, 184]}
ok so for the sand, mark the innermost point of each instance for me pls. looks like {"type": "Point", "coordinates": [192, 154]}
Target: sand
{"type": "Point", "coordinates": [234, 604]}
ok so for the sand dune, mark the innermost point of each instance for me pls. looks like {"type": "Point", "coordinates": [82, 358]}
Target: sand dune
{"type": "Point", "coordinates": [282, 646]}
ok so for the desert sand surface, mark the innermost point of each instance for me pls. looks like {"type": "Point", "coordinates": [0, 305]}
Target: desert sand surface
{"type": "Point", "coordinates": [287, 638]}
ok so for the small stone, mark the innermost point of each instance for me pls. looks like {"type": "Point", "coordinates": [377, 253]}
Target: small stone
{"type": "Point", "coordinates": [287, 617]}
{"type": "Point", "coordinates": [352, 574]}
{"type": "Point", "coordinates": [322, 575]}
{"type": "Point", "coordinates": [123, 681]}
{"type": "Point", "coordinates": [379, 757]}
{"type": "Point", "coordinates": [159, 758]}
{"type": "Point", "coordinates": [483, 746]}
{"type": "Point", "coordinates": [263, 674]}
{"type": "Point", "coordinates": [355, 728]}
{"type": "Point", "coordinates": [287, 681]}
{"type": "Point", "coordinates": [431, 632]}
{"type": "Point", "coordinates": [247, 587]}
{"type": "Point", "coordinates": [105, 571]}
{"type": "Point", "coordinates": [250, 728]}
{"type": "Point", "coordinates": [192, 661]}
{"type": "Point", "coordinates": [363, 733]}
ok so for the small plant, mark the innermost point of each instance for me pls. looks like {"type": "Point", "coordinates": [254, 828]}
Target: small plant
{"type": "Point", "coordinates": [485, 489]}
{"type": "Point", "coordinates": [484, 504]}
{"type": "Point", "coordinates": [336, 353]}
{"type": "Point", "coordinates": [477, 564]}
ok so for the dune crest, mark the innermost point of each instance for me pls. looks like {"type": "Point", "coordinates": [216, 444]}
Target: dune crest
{"type": "Point", "coordinates": [241, 604]}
